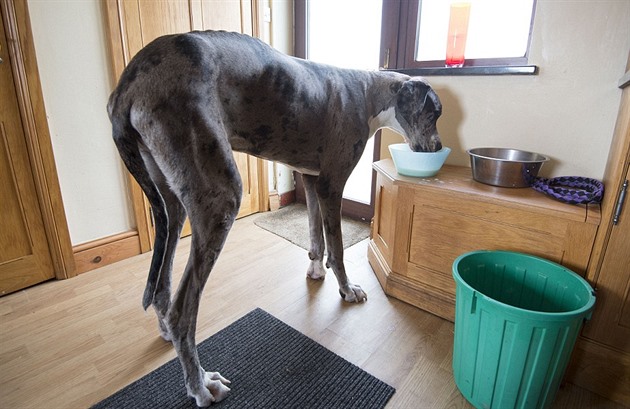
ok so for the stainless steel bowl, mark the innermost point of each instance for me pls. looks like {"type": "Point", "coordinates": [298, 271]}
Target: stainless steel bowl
{"type": "Point", "coordinates": [505, 167]}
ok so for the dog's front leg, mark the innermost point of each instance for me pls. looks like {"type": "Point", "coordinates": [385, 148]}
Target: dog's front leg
{"type": "Point", "coordinates": [329, 198]}
{"type": "Point", "coordinates": [316, 269]}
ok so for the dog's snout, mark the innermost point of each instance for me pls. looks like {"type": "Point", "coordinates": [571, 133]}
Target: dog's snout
{"type": "Point", "coordinates": [437, 146]}
{"type": "Point", "coordinates": [432, 145]}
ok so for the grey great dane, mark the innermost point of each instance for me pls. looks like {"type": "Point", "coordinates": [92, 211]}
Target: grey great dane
{"type": "Point", "coordinates": [186, 101]}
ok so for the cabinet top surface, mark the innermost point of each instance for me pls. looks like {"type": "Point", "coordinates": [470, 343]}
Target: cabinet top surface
{"type": "Point", "coordinates": [459, 179]}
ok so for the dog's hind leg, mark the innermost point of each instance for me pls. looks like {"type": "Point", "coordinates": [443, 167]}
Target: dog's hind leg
{"type": "Point", "coordinates": [316, 269]}
{"type": "Point", "coordinates": [176, 216]}
{"type": "Point", "coordinates": [142, 166]}
{"type": "Point", "coordinates": [212, 207]}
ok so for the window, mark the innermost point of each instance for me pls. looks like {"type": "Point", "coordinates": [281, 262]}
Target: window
{"type": "Point", "coordinates": [344, 33]}
{"type": "Point", "coordinates": [415, 33]}
{"type": "Point", "coordinates": [333, 38]}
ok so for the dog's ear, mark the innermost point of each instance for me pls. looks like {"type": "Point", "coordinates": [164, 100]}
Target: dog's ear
{"type": "Point", "coordinates": [413, 92]}
{"type": "Point", "coordinates": [394, 87]}
{"type": "Point", "coordinates": [437, 105]}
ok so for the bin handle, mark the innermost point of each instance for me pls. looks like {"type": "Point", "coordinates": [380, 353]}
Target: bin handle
{"type": "Point", "coordinates": [473, 305]}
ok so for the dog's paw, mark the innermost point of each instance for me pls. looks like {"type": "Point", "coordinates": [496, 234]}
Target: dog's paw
{"type": "Point", "coordinates": [216, 384]}
{"type": "Point", "coordinates": [210, 390]}
{"type": "Point", "coordinates": [213, 390]}
{"type": "Point", "coordinates": [316, 270]}
{"type": "Point", "coordinates": [353, 293]}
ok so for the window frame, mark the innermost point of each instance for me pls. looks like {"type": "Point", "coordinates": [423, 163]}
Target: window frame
{"type": "Point", "coordinates": [398, 41]}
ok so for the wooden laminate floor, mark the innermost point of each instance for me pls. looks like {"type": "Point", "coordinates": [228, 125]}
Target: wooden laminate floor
{"type": "Point", "coordinates": [69, 344]}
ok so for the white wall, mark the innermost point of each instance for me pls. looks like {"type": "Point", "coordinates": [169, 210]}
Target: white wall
{"type": "Point", "coordinates": [567, 111]}
{"type": "Point", "coordinates": [74, 68]}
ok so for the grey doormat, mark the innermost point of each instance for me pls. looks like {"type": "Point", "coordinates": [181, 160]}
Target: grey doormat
{"type": "Point", "coordinates": [270, 364]}
{"type": "Point", "coordinates": [291, 223]}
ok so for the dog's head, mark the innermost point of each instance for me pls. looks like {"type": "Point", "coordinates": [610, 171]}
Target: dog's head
{"type": "Point", "coordinates": [417, 110]}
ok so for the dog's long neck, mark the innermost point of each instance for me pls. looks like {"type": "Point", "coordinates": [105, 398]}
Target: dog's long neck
{"type": "Point", "coordinates": [382, 101]}
{"type": "Point", "coordinates": [386, 119]}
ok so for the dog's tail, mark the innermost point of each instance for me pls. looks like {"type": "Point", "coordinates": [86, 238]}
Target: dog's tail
{"type": "Point", "coordinates": [128, 142]}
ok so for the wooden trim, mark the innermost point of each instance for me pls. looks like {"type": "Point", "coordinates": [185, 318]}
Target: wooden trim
{"type": "Point", "coordinates": [287, 198]}
{"type": "Point", "coordinates": [33, 113]}
{"type": "Point", "coordinates": [263, 187]}
{"type": "Point", "coordinates": [119, 53]}
{"type": "Point", "coordinates": [108, 250]}
{"type": "Point", "coordinates": [616, 166]}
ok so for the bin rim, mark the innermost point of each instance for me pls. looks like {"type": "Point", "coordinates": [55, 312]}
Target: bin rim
{"type": "Point", "coordinates": [585, 310]}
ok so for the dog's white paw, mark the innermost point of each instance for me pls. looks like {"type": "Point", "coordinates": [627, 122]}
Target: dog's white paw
{"type": "Point", "coordinates": [214, 390]}
{"type": "Point", "coordinates": [216, 384]}
{"type": "Point", "coordinates": [316, 270]}
{"type": "Point", "coordinates": [352, 293]}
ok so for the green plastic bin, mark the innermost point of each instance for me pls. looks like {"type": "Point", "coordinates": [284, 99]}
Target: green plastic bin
{"type": "Point", "coordinates": [517, 318]}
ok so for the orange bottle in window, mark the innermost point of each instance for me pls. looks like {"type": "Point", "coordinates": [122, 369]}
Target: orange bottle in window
{"type": "Point", "coordinates": [457, 33]}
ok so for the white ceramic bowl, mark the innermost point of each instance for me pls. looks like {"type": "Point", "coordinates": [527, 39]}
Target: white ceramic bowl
{"type": "Point", "coordinates": [417, 164]}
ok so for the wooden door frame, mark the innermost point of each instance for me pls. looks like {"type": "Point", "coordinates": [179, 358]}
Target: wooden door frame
{"type": "Point", "coordinates": [33, 113]}
{"type": "Point", "coordinates": [120, 54]}
{"type": "Point", "coordinates": [616, 166]}
{"type": "Point", "coordinates": [593, 360]}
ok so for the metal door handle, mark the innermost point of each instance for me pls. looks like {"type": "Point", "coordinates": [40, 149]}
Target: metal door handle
{"type": "Point", "coordinates": [619, 206]}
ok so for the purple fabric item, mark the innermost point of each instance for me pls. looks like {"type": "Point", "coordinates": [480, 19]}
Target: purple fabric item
{"type": "Point", "coordinates": [571, 189]}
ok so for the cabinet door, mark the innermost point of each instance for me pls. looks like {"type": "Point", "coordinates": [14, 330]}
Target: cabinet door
{"type": "Point", "coordinates": [446, 225]}
{"type": "Point", "coordinates": [135, 23]}
{"type": "Point", "coordinates": [610, 324]}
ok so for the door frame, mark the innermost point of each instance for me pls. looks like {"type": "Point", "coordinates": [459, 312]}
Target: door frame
{"type": "Point", "coordinates": [39, 144]}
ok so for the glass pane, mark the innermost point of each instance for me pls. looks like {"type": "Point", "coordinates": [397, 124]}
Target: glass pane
{"type": "Point", "coordinates": [347, 34]}
{"type": "Point", "coordinates": [497, 29]}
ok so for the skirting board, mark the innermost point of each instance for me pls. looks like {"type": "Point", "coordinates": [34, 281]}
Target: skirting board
{"type": "Point", "coordinates": [277, 201]}
{"type": "Point", "coordinates": [108, 250]}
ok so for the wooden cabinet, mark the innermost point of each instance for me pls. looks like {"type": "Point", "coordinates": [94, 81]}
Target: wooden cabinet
{"type": "Point", "coordinates": [421, 226]}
